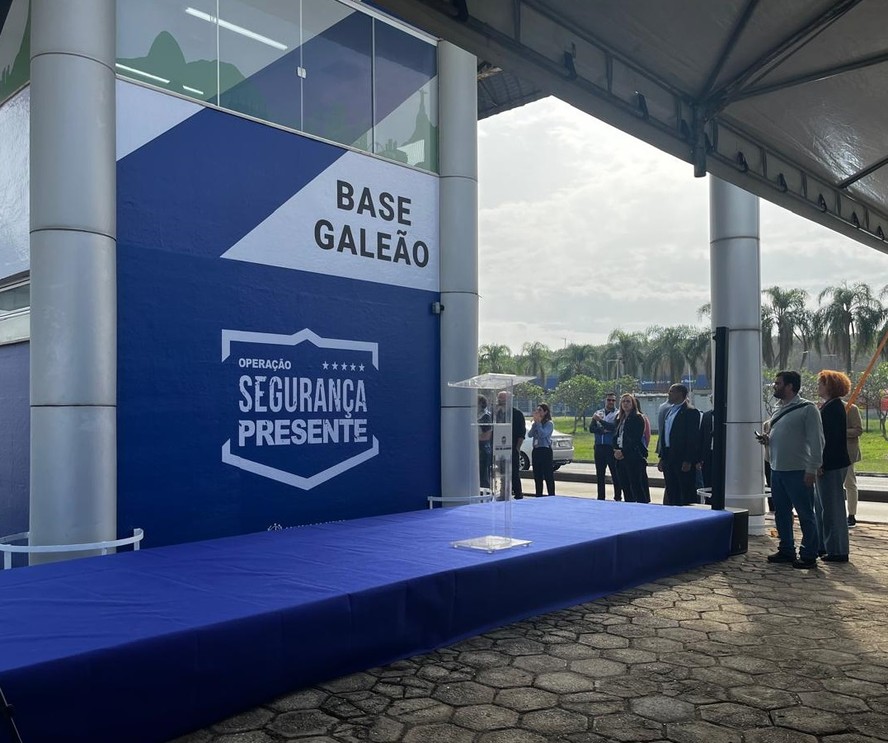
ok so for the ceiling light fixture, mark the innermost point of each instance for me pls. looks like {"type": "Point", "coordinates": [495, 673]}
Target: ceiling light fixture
{"type": "Point", "coordinates": [237, 29]}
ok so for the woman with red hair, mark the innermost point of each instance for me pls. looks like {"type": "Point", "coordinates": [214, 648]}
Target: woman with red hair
{"type": "Point", "coordinates": [829, 493]}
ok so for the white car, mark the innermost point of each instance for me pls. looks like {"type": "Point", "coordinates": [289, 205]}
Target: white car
{"type": "Point", "coordinates": [562, 450]}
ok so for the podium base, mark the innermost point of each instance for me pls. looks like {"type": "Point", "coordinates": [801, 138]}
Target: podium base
{"type": "Point", "coordinates": [490, 543]}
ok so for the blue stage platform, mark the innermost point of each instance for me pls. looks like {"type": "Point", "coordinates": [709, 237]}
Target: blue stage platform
{"type": "Point", "coordinates": [143, 647]}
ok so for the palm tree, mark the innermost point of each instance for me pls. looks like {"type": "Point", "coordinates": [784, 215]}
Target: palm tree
{"type": "Point", "coordinates": [697, 350]}
{"type": "Point", "coordinates": [536, 358]}
{"type": "Point", "coordinates": [853, 313]}
{"type": "Point", "coordinates": [576, 359]}
{"type": "Point", "coordinates": [665, 353]}
{"type": "Point", "coordinates": [783, 313]}
{"type": "Point", "coordinates": [494, 357]}
{"type": "Point", "coordinates": [631, 348]}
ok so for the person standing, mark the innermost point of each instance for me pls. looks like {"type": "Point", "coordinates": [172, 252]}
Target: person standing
{"type": "Point", "coordinates": [503, 400]}
{"type": "Point", "coordinates": [485, 442]}
{"type": "Point", "coordinates": [796, 443]}
{"type": "Point", "coordinates": [854, 432]}
{"type": "Point", "coordinates": [541, 457]}
{"type": "Point", "coordinates": [829, 495]}
{"type": "Point", "coordinates": [630, 451]}
{"type": "Point", "coordinates": [645, 483]}
{"type": "Point", "coordinates": [602, 426]}
{"type": "Point", "coordinates": [679, 448]}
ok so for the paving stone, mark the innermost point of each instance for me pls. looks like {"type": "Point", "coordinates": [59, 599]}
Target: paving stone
{"type": "Point", "coordinates": [688, 659]}
{"type": "Point", "coordinates": [701, 732]}
{"type": "Point", "coordinates": [870, 723]}
{"type": "Point", "coordinates": [305, 699]}
{"type": "Point", "coordinates": [604, 640]}
{"type": "Point", "coordinates": [253, 736]}
{"type": "Point", "coordinates": [777, 735]}
{"type": "Point", "coordinates": [540, 663]}
{"type": "Point", "coordinates": [574, 652]}
{"type": "Point", "coordinates": [504, 678]}
{"type": "Point", "coordinates": [849, 738]}
{"type": "Point", "coordinates": [515, 735]}
{"type": "Point", "coordinates": [627, 727]}
{"type": "Point", "coordinates": [552, 722]}
{"type": "Point", "coordinates": [629, 656]}
{"type": "Point", "coordinates": [593, 703]}
{"type": "Point", "coordinates": [355, 682]}
{"type": "Point", "coordinates": [747, 664]}
{"type": "Point", "coordinates": [854, 687]}
{"type": "Point", "coordinates": [598, 667]}
{"type": "Point", "coordinates": [876, 674]}
{"type": "Point", "coordinates": [419, 711]}
{"type": "Point", "coordinates": [832, 702]}
{"type": "Point", "coordinates": [484, 659]}
{"type": "Point", "coordinates": [789, 682]}
{"type": "Point", "coordinates": [828, 657]}
{"type": "Point", "coordinates": [526, 700]}
{"type": "Point", "coordinates": [520, 646]}
{"type": "Point", "coordinates": [485, 717]}
{"type": "Point", "coordinates": [730, 714]}
{"type": "Point", "coordinates": [657, 644]}
{"type": "Point", "coordinates": [564, 682]}
{"type": "Point", "coordinates": [763, 697]}
{"type": "Point", "coordinates": [663, 709]}
{"type": "Point", "coordinates": [808, 720]}
{"type": "Point", "coordinates": [302, 723]}
{"type": "Point", "coordinates": [463, 693]}
{"type": "Point", "coordinates": [441, 733]}
{"type": "Point", "coordinates": [385, 730]}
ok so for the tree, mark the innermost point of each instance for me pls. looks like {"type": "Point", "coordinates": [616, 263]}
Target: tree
{"type": "Point", "coordinates": [872, 391]}
{"type": "Point", "coordinates": [852, 313]}
{"type": "Point", "coordinates": [578, 394]}
{"type": "Point", "coordinates": [536, 359]}
{"type": "Point", "coordinates": [783, 312]}
{"type": "Point", "coordinates": [665, 354]}
{"type": "Point", "coordinates": [630, 348]}
{"type": "Point", "coordinates": [697, 350]}
{"type": "Point", "coordinates": [576, 359]}
{"type": "Point", "coordinates": [495, 358]}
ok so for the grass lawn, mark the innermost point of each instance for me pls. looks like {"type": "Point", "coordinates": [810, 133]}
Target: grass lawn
{"type": "Point", "coordinates": [872, 446]}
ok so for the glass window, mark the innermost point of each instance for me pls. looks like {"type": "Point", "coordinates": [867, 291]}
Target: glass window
{"type": "Point", "coordinates": [337, 89]}
{"type": "Point", "coordinates": [406, 98]}
{"type": "Point", "coordinates": [14, 298]}
{"type": "Point", "coordinates": [260, 59]}
{"type": "Point", "coordinates": [169, 44]}
{"type": "Point", "coordinates": [15, 46]}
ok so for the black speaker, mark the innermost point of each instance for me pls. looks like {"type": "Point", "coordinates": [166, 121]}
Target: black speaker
{"type": "Point", "coordinates": [740, 531]}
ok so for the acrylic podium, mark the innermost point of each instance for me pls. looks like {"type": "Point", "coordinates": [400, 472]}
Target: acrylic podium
{"type": "Point", "coordinates": [492, 480]}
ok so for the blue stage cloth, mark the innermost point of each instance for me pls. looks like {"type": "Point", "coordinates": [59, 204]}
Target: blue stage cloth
{"type": "Point", "coordinates": [147, 646]}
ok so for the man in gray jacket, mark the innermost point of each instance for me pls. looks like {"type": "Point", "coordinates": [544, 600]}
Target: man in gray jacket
{"type": "Point", "coordinates": [796, 443]}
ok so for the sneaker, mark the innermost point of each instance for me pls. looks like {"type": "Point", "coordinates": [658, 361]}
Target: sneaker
{"type": "Point", "coordinates": [805, 563]}
{"type": "Point", "coordinates": [835, 558]}
{"type": "Point", "coordinates": [852, 522]}
{"type": "Point", "coordinates": [781, 557]}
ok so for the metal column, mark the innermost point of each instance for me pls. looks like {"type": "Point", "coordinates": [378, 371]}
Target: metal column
{"type": "Point", "coordinates": [458, 156]}
{"type": "Point", "coordinates": [73, 273]}
{"type": "Point", "coordinates": [736, 305]}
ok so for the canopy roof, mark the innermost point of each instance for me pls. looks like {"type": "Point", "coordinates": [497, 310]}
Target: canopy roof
{"type": "Point", "coordinates": [786, 99]}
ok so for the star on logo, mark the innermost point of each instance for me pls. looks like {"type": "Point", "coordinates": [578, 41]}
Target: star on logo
{"type": "Point", "coordinates": [335, 365]}
{"type": "Point", "coordinates": [360, 367]}
{"type": "Point", "coordinates": [325, 365]}
{"type": "Point", "coordinates": [344, 366]}
{"type": "Point", "coordinates": [353, 367]}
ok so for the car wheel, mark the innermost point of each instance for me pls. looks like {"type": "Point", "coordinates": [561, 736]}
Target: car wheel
{"type": "Point", "coordinates": [524, 461]}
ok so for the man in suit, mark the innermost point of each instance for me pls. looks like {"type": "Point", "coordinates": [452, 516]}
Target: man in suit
{"type": "Point", "coordinates": [679, 448]}
{"type": "Point", "coordinates": [519, 430]}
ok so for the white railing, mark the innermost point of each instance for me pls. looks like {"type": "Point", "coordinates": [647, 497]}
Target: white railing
{"type": "Point", "coordinates": [9, 549]}
{"type": "Point", "coordinates": [485, 495]}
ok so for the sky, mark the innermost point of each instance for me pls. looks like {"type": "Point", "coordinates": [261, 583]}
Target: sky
{"type": "Point", "coordinates": [584, 229]}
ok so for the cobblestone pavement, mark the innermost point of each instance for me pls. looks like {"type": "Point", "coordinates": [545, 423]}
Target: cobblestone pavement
{"type": "Point", "coordinates": [737, 652]}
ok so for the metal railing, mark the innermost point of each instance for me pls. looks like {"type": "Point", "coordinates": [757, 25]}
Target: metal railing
{"type": "Point", "coordinates": [9, 549]}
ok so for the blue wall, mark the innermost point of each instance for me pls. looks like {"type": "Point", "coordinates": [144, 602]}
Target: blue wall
{"type": "Point", "coordinates": [15, 431]}
{"type": "Point", "coordinates": [215, 242]}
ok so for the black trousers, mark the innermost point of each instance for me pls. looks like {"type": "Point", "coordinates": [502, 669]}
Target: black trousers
{"type": "Point", "coordinates": [516, 473]}
{"type": "Point", "coordinates": [631, 469]}
{"type": "Point", "coordinates": [541, 458]}
{"type": "Point", "coordinates": [681, 487]}
{"type": "Point", "coordinates": [604, 460]}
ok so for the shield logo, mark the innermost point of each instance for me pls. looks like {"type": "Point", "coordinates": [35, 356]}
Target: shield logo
{"type": "Point", "coordinates": [304, 405]}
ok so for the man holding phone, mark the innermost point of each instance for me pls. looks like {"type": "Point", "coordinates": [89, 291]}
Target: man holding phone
{"type": "Point", "coordinates": [796, 447]}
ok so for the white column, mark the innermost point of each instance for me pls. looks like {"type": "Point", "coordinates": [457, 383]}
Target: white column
{"type": "Point", "coordinates": [458, 157]}
{"type": "Point", "coordinates": [73, 273]}
{"type": "Point", "coordinates": [736, 305]}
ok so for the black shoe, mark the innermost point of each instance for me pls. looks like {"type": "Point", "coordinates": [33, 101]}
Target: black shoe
{"type": "Point", "coordinates": [805, 563]}
{"type": "Point", "coordinates": [781, 557]}
{"type": "Point", "coordinates": [617, 498]}
{"type": "Point", "coordinates": [835, 558]}
{"type": "Point", "coordinates": [519, 496]}
{"type": "Point", "coordinates": [852, 522]}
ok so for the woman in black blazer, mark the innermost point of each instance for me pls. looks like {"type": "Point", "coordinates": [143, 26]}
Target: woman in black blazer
{"type": "Point", "coordinates": [630, 451]}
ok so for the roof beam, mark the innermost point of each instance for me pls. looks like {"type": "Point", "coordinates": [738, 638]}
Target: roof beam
{"type": "Point", "coordinates": [780, 53]}
{"type": "Point", "coordinates": [863, 173]}
{"type": "Point", "coordinates": [736, 32]}
{"type": "Point", "coordinates": [810, 77]}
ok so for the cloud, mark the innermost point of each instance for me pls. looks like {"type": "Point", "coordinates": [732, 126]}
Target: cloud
{"type": "Point", "coordinates": [584, 229]}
